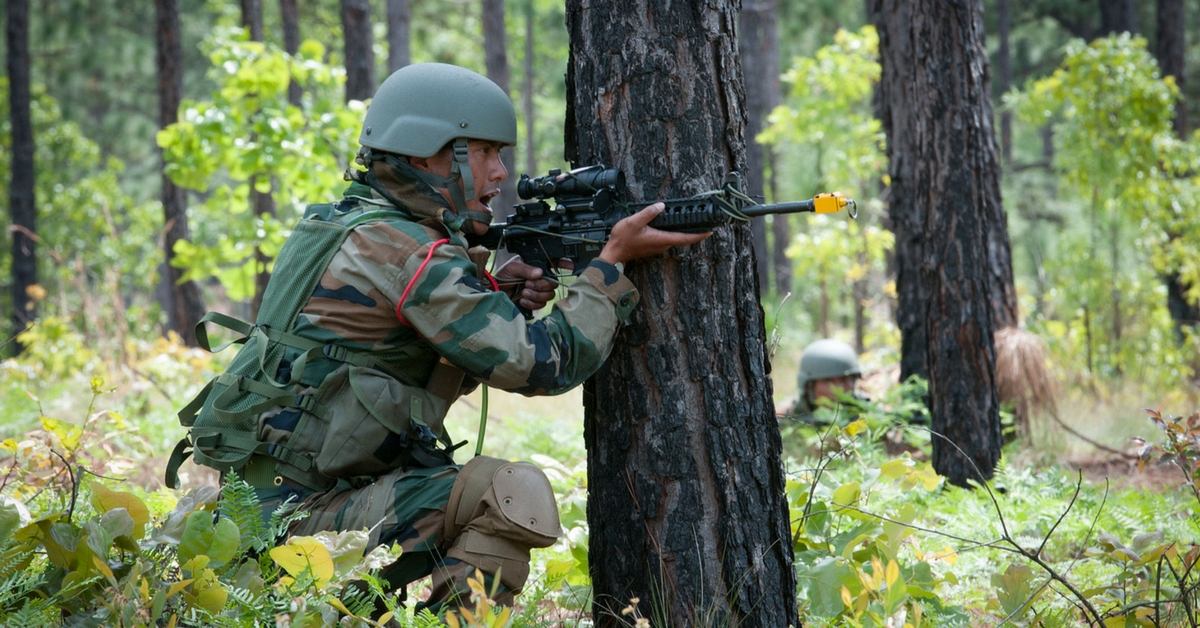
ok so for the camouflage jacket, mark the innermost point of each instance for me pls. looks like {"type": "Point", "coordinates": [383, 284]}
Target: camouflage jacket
{"type": "Point", "coordinates": [405, 288]}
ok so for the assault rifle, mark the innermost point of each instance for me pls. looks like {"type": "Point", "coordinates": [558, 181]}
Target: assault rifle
{"type": "Point", "coordinates": [589, 201]}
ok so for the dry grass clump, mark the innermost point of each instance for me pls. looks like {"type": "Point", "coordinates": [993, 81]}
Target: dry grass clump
{"type": "Point", "coordinates": [1022, 377]}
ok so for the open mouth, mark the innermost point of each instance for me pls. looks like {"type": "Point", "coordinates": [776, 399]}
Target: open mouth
{"type": "Point", "coordinates": [486, 199]}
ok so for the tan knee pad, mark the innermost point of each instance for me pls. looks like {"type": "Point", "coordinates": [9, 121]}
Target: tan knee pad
{"type": "Point", "coordinates": [498, 511]}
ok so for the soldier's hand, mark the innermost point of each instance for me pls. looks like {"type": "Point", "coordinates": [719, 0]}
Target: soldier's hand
{"type": "Point", "coordinates": [634, 238]}
{"type": "Point", "coordinates": [535, 292]}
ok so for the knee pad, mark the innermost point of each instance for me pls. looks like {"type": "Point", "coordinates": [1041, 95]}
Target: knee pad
{"type": "Point", "coordinates": [498, 511]}
{"type": "Point", "coordinates": [518, 492]}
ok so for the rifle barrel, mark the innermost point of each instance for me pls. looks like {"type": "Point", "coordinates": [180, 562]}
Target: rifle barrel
{"type": "Point", "coordinates": [792, 207]}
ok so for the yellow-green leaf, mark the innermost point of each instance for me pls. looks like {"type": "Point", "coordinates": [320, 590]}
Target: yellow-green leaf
{"type": "Point", "coordinates": [305, 553]}
{"type": "Point", "coordinates": [104, 500]}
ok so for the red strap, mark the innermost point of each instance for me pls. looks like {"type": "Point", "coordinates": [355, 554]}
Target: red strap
{"type": "Point", "coordinates": [429, 256]}
{"type": "Point", "coordinates": [404, 297]}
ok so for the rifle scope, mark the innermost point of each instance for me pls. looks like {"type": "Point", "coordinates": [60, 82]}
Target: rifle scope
{"type": "Point", "coordinates": [579, 182]}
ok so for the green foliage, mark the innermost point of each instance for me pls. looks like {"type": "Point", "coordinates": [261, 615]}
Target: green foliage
{"type": "Point", "coordinates": [827, 118]}
{"type": "Point", "coordinates": [1101, 305]}
{"type": "Point", "coordinates": [248, 133]}
{"type": "Point", "coordinates": [94, 242]}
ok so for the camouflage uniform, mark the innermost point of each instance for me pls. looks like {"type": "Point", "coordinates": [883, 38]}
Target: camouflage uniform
{"type": "Point", "coordinates": [386, 292]}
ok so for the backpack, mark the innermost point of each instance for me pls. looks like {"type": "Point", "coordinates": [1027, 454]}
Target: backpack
{"type": "Point", "coordinates": [357, 437]}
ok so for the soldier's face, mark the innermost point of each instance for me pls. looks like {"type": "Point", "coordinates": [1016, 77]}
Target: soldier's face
{"type": "Point", "coordinates": [486, 169]}
{"type": "Point", "coordinates": [829, 388]}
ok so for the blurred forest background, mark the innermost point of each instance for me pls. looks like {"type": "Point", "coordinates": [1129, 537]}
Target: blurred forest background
{"type": "Point", "coordinates": [1093, 101]}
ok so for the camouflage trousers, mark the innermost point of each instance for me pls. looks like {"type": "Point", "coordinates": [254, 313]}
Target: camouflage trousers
{"type": "Point", "coordinates": [409, 507]}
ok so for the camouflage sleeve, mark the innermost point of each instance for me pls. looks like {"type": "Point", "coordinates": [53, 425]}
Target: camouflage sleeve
{"type": "Point", "coordinates": [483, 333]}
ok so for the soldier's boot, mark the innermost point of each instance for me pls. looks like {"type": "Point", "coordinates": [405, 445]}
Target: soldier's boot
{"type": "Point", "coordinates": [498, 511]}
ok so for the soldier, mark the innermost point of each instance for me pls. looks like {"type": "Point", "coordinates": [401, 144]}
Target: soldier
{"type": "Point", "coordinates": [828, 368]}
{"type": "Point", "coordinates": [379, 316]}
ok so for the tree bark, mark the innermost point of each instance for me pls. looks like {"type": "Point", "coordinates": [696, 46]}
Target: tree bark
{"type": "Point", "coordinates": [1118, 16]}
{"type": "Point", "coordinates": [686, 507]}
{"type": "Point", "coordinates": [1171, 52]}
{"type": "Point", "coordinates": [358, 41]}
{"type": "Point", "coordinates": [954, 269]}
{"type": "Point", "coordinates": [1004, 76]}
{"type": "Point", "coordinates": [399, 29]}
{"type": "Point", "coordinates": [495, 53]}
{"type": "Point", "coordinates": [252, 18]}
{"type": "Point", "coordinates": [527, 95]}
{"type": "Point", "coordinates": [262, 203]}
{"type": "Point", "coordinates": [21, 188]}
{"type": "Point", "coordinates": [290, 16]}
{"type": "Point", "coordinates": [184, 305]}
{"type": "Point", "coordinates": [751, 44]}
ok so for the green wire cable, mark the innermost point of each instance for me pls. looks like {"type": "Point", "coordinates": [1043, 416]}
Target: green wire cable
{"type": "Point", "coordinates": [482, 422]}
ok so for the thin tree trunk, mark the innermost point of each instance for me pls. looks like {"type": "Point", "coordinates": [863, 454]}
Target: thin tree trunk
{"type": "Point", "coordinates": [358, 41]}
{"type": "Point", "coordinates": [290, 15]}
{"type": "Point", "coordinates": [1118, 16]}
{"type": "Point", "coordinates": [686, 505]}
{"type": "Point", "coordinates": [399, 21]}
{"type": "Point", "coordinates": [252, 18]}
{"type": "Point", "coordinates": [184, 305]}
{"type": "Point", "coordinates": [495, 54]}
{"type": "Point", "coordinates": [951, 247]}
{"type": "Point", "coordinates": [21, 188]}
{"type": "Point", "coordinates": [262, 203]}
{"type": "Point", "coordinates": [1004, 76]}
{"type": "Point", "coordinates": [1171, 52]}
{"type": "Point", "coordinates": [527, 95]}
{"type": "Point", "coordinates": [754, 68]}
{"type": "Point", "coordinates": [781, 231]}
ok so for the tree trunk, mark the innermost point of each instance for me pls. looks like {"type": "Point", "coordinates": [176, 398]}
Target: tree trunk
{"type": "Point", "coordinates": [1004, 76]}
{"type": "Point", "coordinates": [1118, 16]}
{"type": "Point", "coordinates": [21, 188]}
{"type": "Point", "coordinates": [184, 305]}
{"type": "Point", "coordinates": [290, 16]}
{"type": "Point", "coordinates": [781, 231]}
{"type": "Point", "coordinates": [954, 270]}
{"type": "Point", "coordinates": [686, 507]}
{"type": "Point", "coordinates": [527, 96]}
{"type": "Point", "coordinates": [751, 44]}
{"type": "Point", "coordinates": [495, 54]}
{"type": "Point", "coordinates": [1171, 51]}
{"type": "Point", "coordinates": [358, 41]}
{"type": "Point", "coordinates": [399, 29]}
{"type": "Point", "coordinates": [252, 18]}
{"type": "Point", "coordinates": [262, 203]}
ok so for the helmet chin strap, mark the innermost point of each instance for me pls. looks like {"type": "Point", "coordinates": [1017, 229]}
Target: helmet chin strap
{"type": "Point", "coordinates": [460, 170]}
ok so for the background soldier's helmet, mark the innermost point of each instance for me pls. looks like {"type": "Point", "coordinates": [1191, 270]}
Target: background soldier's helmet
{"type": "Point", "coordinates": [422, 107]}
{"type": "Point", "coordinates": [827, 358]}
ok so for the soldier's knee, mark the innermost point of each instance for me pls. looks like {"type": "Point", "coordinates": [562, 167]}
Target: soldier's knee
{"type": "Point", "coordinates": [498, 511]}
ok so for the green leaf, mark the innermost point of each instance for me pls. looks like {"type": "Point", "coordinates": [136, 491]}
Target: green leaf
{"type": "Point", "coordinates": [201, 538]}
{"type": "Point", "coordinates": [104, 500]}
{"type": "Point", "coordinates": [1013, 588]}
{"type": "Point", "coordinates": [823, 584]}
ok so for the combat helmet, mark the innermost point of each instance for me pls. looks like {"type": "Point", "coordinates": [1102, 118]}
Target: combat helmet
{"type": "Point", "coordinates": [422, 107]}
{"type": "Point", "coordinates": [827, 358]}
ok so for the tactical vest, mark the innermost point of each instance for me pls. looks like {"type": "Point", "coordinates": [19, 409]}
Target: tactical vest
{"type": "Point", "coordinates": [361, 412]}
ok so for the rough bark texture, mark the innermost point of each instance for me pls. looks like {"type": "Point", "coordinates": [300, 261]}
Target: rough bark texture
{"type": "Point", "coordinates": [358, 42]}
{"type": "Point", "coordinates": [20, 190]}
{"type": "Point", "coordinates": [756, 19]}
{"type": "Point", "coordinates": [495, 54]}
{"type": "Point", "coordinates": [1118, 16]}
{"type": "Point", "coordinates": [686, 504]}
{"type": "Point", "coordinates": [399, 20]}
{"type": "Point", "coordinates": [954, 270]}
{"type": "Point", "coordinates": [290, 16]}
{"type": "Point", "coordinates": [185, 305]}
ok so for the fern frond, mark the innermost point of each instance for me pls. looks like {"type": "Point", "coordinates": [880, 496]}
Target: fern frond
{"type": "Point", "coordinates": [240, 504]}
